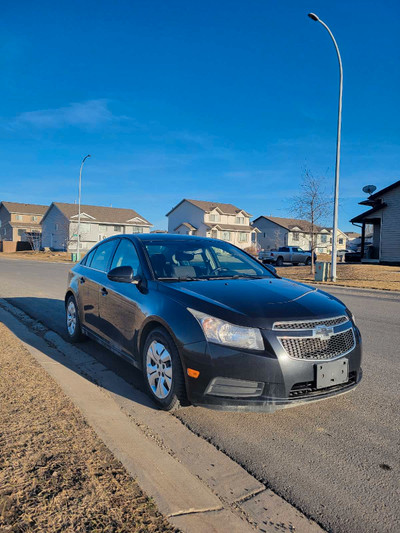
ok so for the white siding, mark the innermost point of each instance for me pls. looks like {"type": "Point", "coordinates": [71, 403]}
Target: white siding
{"type": "Point", "coordinates": [272, 235]}
{"type": "Point", "coordinates": [187, 212]}
{"type": "Point", "coordinates": [55, 228]}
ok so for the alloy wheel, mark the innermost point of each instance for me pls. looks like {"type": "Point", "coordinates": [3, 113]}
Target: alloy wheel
{"type": "Point", "coordinates": [159, 369]}
{"type": "Point", "coordinates": [71, 318]}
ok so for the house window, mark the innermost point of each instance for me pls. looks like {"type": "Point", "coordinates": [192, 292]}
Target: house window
{"type": "Point", "coordinates": [34, 219]}
{"type": "Point", "coordinates": [137, 229]}
{"type": "Point", "coordinates": [117, 228]}
{"type": "Point", "coordinates": [18, 217]}
{"type": "Point", "coordinates": [340, 241]}
{"type": "Point", "coordinates": [56, 226]}
{"type": "Point", "coordinates": [324, 238]}
{"type": "Point", "coordinates": [102, 227]}
{"type": "Point", "coordinates": [320, 250]}
{"type": "Point", "coordinates": [214, 218]}
{"type": "Point", "coordinates": [296, 235]}
{"type": "Point", "coordinates": [239, 220]}
{"type": "Point", "coordinates": [214, 234]}
{"type": "Point", "coordinates": [243, 237]}
{"type": "Point", "coordinates": [226, 235]}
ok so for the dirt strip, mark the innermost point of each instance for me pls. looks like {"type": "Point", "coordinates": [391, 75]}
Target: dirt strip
{"type": "Point", "coordinates": [55, 473]}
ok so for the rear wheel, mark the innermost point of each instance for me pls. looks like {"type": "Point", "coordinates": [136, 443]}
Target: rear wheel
{"type": "Point", "coordinates": [162, 370]}
{"type": "Point", "coordinates": [279, 262]}
{"type": "Point", "coordinates": [308, 261]}
{"type": "Point", "coordinates": [73, 322]}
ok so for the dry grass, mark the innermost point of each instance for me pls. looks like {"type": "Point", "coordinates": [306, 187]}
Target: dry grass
{"type": "Point", "coordinates": [55, 473]}
{"type": "Point", "coordinates": [352, 275]}
{"type": "Point", "coordinates": [59, 257]}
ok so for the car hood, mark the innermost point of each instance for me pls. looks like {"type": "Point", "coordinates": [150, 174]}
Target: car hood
{"type": "Point", "coordinates": [255, 302]}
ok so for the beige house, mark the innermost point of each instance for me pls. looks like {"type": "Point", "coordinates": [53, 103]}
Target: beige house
{"type": "Point", "coordinates": [212, 219]}
{"type": "Point", "coordinates": [60, 225]}
{"type": "Point", "coordinates": [382, 220]}
{"type": "Point", "coordinates": [20, 222]}
{"type": "Point", "coordinates": [278, 231]}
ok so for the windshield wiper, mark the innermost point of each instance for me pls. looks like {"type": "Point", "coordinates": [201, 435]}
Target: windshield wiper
{"type": "Point", "coordinates": [187, 278]}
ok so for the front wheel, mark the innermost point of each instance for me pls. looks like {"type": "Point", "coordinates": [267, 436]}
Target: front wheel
{"type": "Point", "coordinates": [73, 322]}
{"type": "Point", "coordinates": [308, 262]}
{"type": "Point", "coordinates": [279, 262]}
{"type": "Point", "coordinates": [162, 370]}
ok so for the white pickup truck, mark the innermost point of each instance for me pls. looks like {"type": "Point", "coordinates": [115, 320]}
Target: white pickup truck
{"type": "Point", "coordinates": [285, 254]}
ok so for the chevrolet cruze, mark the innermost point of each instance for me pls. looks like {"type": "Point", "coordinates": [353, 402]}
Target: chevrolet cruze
{"type": "Point", "coordinates": [209, 325]}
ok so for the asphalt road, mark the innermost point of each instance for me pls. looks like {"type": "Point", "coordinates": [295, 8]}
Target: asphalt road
{"type": "Point", "coordinates": [337, 460]}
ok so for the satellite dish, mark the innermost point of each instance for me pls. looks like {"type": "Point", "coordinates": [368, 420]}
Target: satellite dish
{"type": "Point", "coordinates": [369, 189]}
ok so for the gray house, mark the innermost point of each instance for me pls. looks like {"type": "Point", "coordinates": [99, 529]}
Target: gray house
{"type": "Point", "coordinates": [60, 225]}
{"type": "Point", "coordinates": [278, 231]}
{"type": "Point", "coordinates": [212, 219]}
{"type": "Point", "coordinates": [383, 221]}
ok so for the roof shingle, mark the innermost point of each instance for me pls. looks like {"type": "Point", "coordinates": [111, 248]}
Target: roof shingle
{"type": "Point", "coordinates": [25, 209]}
{"type": "Point", "coordinates": [113, 215]}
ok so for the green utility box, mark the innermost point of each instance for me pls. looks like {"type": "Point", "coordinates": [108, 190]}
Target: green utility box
{"type": "Point", "coordinates": [322, 271]}
{"type": "Point", "coordinates": [74, 257]}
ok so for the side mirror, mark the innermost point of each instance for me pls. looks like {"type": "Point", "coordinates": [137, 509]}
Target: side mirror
{"type": "Point", "coordinates": [270, 268]}
{"type": "Point", "coordinates": [123, 274]}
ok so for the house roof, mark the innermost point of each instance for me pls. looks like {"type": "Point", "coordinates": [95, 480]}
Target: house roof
{"type": "Point", "coordinates": [207, 207]}
{"type": "Point", "coordinates": [26, 225]}
{"type": "Point", "coordinates": [25, 209]}
{"type": "Point", "coordinates": [291, 223]}
{"type": "Point", "coordinates": [353, 234]}
{"type": "Point", "coordinates": [366, 214]}
{"type": "Point", "coordinates": [370, 200]}
{"type": "Point", "coordinates": [100, 214]}
{"type": "Point", "coordinates": [187, 225]}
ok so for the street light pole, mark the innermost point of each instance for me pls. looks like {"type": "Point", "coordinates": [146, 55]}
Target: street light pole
{"type": "Point", "coordinates": [337, 166]}
{"type": "Point", "coordinates": [78, 253]}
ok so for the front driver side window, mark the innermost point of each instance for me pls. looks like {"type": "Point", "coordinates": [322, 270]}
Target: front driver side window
{"type": "Point", "coordinates": [126, 255]}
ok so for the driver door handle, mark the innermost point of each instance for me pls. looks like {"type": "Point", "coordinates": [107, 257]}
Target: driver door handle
{"type": "Point", "coordinates": [104, 291]}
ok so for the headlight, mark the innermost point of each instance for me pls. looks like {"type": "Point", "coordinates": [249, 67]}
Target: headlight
{"type": "Point", "coordinates": [351, 315]}
{"type": "Point", "coordinates": [221, 332]}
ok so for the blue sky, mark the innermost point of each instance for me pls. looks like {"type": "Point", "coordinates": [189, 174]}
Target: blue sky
{"type": "Point", "coordinates": [226, 101]}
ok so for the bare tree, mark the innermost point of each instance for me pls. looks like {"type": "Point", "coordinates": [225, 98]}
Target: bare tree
{"type": "Point", "coordinates": [34, 238]}
{"type": "Point", "coordinates": [312, 204]}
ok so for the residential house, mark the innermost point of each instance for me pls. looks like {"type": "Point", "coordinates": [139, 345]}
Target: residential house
{"type": "Point", "coordinates": [60, 225]}
{"type": "Point", "coordinates": [21, 222]}
{"type": "Point", "coordinates": [212, 219]}
{"type": "Point", "coordinates": [278, 231]}
{"type": "Point", "coordinates": [353, 240]}
{"type": "Point", "coordinates": [383, 220]}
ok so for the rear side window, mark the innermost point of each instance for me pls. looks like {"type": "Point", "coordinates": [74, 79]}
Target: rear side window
{"type": "Point", "coordinates": [102, 255]}
{"type": "Point", "coordinates": [88, 258]}
{"type": "Point", "coordinates": [126, 255]}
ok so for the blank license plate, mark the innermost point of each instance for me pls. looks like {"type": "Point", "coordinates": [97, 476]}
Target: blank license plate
{"type": "Point", "coordinates": [332, 373]}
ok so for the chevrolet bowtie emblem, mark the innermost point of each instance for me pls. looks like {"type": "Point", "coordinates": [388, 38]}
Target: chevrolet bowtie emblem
{"type": "Point", "coordinates": [323, 332]}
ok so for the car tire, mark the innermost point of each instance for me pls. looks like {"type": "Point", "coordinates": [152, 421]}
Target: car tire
{"type": "Point", "coordinates": [162, 371]}
{"type": "Point", "coordinates": [279, 262]}
{"type": "Point", "coordinates": [308, 262]}
{"type": "Point", "coordinates": [72, 321]}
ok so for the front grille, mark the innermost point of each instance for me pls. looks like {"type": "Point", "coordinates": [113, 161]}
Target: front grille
{"type": "Point", "coordinates": [310, 324]}
{"type": "Point", "coordinates": [314, 348]}
{"type": "Point", "coordinates": [309, 389]}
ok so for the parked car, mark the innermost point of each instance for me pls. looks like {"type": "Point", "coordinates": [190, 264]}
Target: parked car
{"type": "Point", "coordinates": [352, 257]}
{"type": "Point", "coordinates": [286, 254]}
{"type": "Point", "coordinates": [208, 324]}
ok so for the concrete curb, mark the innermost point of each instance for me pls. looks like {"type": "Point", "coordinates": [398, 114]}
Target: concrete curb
{"type": "Point", "coordinates": [194, 485]}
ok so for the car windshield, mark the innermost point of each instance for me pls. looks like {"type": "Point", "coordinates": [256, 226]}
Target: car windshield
{"type": "Point", "coordinates": [200, 260]}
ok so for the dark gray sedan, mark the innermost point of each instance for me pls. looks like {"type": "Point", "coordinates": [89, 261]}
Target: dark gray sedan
{"type": "Point", "coordinates": [209, 325]}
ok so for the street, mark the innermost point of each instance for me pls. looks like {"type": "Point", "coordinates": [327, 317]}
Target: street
{"type": "Point", "coordinates": [337, 460]}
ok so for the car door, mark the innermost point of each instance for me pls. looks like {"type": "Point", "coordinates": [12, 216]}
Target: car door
{"type": "Point", "coordinates": [120, 304]}
{"type": "Point", "coordinates": [91, 282]}
{"type": "Point", "coordinates": [297, 256]}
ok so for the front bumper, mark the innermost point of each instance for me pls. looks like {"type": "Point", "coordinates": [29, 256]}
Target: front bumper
{"type": "Point", "coordinates": [235, 380]}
